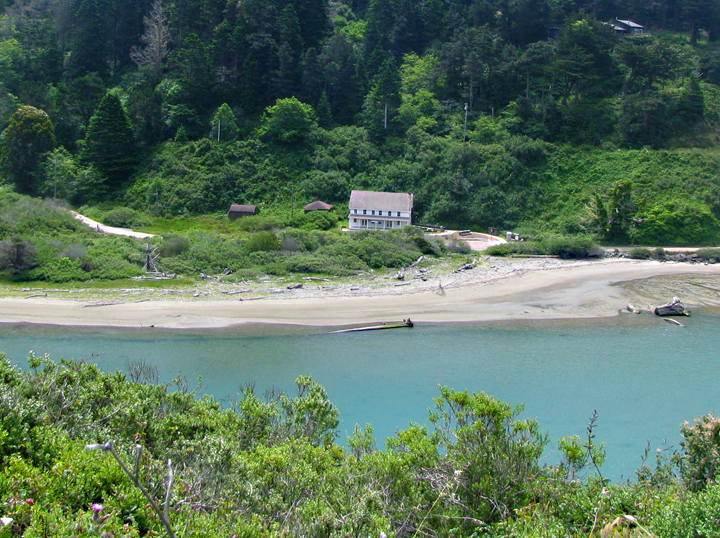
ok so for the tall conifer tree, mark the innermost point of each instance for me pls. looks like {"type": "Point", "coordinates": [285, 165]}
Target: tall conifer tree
{"type": "Point", "coordinates": [110, 142]}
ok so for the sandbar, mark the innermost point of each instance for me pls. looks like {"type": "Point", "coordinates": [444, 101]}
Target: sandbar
{"type": "Point", "coordinates": [496, 290]}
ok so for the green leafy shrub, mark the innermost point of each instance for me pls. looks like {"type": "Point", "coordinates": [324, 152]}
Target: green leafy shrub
{"type": "Point", "coordinates": [700, 462]}
{"type": "Point", "coordinates": [59, 270]}
{"type": "Point", "coordinates": [566, 247]}
{"type": "Point", "coordinates": [263, 242]}
{"type": "Point", "coordinates": [678, 222]}
{"type": "Point", "coordinates": [320, 220]}
{"type": "Point", "coordinates": [640, 253]}
{"type": "Point", "coordinates": [309, 263]}
{"type": "Point", "coordinates": [124, 217]}
{"type": "Point", "coordinates": [257, 223]}
{"type": "Point", "coordinates": [173, 245]}
{"type": "Point", "coordinates": [708, 253]}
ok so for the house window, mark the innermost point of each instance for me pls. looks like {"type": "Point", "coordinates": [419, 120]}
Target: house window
{"type": "Point", "coordinates": [398, 223]}
{"type": "Point", "coordinates": [398, 213]}
{"type": "Point", "coordinates": [355, 211]}
{"type": "Point", "coordinates": [380, 213]}
{"type": "Point", "coordinates": [373, 211]}
{"type": "Point", "coordinates": [364, 211]}
{"type": "Point", "coordinates": [354, 220]}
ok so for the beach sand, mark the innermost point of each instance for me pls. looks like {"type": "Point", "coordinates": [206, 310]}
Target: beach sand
{"type": "Point", "coordinates": [495, 290]}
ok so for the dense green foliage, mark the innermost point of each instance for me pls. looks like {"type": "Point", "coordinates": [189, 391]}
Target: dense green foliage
{"type": "Point", "coordinates": [42, 241]}
{"type": "Point", "coordinates": [109, 144]}
{"type": "Point", "coordinates": [528, 113]}
{"type": "Point", "coordinates": [27, 137]}
{"type": "Point", "coordinates": [272, 466]}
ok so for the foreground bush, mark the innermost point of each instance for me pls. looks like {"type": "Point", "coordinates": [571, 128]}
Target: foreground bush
{"type": "Point", "coordinates": [271, 466]}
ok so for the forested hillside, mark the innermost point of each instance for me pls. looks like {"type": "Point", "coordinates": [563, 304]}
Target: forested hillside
{"type": "Point", "coordinates": [505, 113]}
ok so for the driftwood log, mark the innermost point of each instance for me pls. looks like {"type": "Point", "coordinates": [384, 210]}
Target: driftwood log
{"type": "Point", "coordinates": [673, 308]}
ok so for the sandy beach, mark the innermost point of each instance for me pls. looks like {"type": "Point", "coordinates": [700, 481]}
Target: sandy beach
{"type": "Point", "coordinates": [496, 289]}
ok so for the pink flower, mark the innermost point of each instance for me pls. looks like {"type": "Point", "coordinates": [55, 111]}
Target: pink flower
{"type": "Point", "coordinates": [98, 507]}
{"type": "Point", "coordinates": [29, 501]}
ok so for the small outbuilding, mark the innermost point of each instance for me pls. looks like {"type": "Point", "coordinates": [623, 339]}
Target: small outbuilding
{"type": "Point", "coordinates": [238, 211]}
{"type": "Point", "coordinates": [628, 27]}
{"type": "Point", "coordinates": [317, 206]}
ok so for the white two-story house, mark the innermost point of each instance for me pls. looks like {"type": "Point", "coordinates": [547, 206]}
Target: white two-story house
{"type": "Point", "coordinates": [379, 210]}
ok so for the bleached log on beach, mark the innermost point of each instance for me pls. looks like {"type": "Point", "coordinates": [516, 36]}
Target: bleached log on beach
{"type": "Point", "coordinates": [670, 320]}
{"type": "Point", "coordinates": [413, 264]}
{"type": "Point", "coordinates": [673, 308]}
{"type": "Point", "coordinates": [235, 292]}
{"type": "Point", "coordinates": [36, 295]}
{"type": "Point", "coordinates": [535, 256]}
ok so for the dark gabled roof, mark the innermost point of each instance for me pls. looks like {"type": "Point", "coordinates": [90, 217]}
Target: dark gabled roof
{"type": "Point", "coordinates": [630, 24]}
{"type": "Point", "coordinates": [236, 208]}
{"type": "Point", "coordinates": [382, 201]}
{"type": "Point", "coordinates": [318, 206]}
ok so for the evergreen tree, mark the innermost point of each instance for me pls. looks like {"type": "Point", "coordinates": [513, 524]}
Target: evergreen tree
{"type": "Point", "coordinates": [92, 42]}
{"type": "Point", "coordinates": [324, 112]}
{"type": "Point", "coordinates": [313, 19]}
{"type": "Point", "coordinates": [224, 126]}
{"type": "Point", "coordinates": [110, 142]}
{"type": "Point", "coordinates": [384, 97]}
{"type": "Point", "coordinates": [28, 136]}
{"type": "Point", "coordinates": [692, 102]}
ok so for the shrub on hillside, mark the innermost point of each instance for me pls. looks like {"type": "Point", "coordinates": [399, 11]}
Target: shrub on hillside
{"type": "Point", "coordinates": [566, 247]}
{"type": "Point", "coordinates": [319, 220]}
{"type": "Point", "coordinates": [124, 217]}
{"type": "Point", "coordinates": [677, 222]}
{"type": "Point", "coordinates": [257, 223]}
{"type": "Point", "coordinates": [58, 270]}
{"type": "Point", "coordinates": [173, 245]}
{"type": "Point", "coordinates": [263, 242]}
{"type": "Point", "coordinates": [640, 253]}
{"type": "Point", "coordinates": [708, 254]}
{"type": "Point", "coordinates": [311, 263]}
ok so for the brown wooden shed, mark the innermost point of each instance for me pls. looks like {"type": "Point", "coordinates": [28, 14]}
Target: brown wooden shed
{"type": "Point", "coordinates": [238, 211]}
{"type": "Point", "coordinates": [317, 206]}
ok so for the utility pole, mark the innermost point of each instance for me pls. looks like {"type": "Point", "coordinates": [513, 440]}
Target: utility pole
{"type": "Point", "coordinates": [55, 163]}
{"type": "Point", "coordinates": [465, 127]}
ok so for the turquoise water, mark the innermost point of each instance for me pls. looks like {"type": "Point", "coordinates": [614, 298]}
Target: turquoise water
{"type": "Point", "coordinates": [644, 377]}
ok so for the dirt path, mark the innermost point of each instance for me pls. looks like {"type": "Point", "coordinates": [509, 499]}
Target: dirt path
{"type": "Point", "coordinates": [109, 229]}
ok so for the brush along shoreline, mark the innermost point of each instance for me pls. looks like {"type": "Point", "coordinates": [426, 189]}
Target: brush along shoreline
{"type": "Point", "coordinates": [494, 289]}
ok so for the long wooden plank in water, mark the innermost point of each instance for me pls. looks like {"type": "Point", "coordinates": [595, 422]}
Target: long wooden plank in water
{"type": "Point", "coordinates": [406, 324]}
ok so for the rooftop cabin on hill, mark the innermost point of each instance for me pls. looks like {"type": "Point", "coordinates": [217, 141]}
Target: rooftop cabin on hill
{"type": "Point", "coordinates": [317, 206]}
{"type": "Point", "coordinates": [628, 27]}
{"type": "Point", "coordinates": [238, 211]}
{"type": "Point", "coordinates": [379, 210]}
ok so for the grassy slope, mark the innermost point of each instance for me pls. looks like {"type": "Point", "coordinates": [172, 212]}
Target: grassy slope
{"type": "Point", "coordinates": [573, 175]}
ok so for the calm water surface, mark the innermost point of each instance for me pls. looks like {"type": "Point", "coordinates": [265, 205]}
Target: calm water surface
{"type": "Point", "coordinates": [644, 376]}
